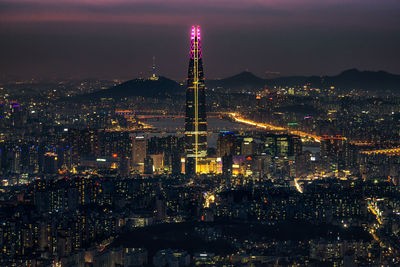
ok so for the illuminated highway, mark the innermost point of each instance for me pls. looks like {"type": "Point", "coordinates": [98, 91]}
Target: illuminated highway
{"type": "Point", "coordinates": [390, 151]}
{"type": "Point", "coordinates": [385, 241]}
{"type": "Point", "coordinates": [375, 212]}
{"type": "Point", "coordinates": [267, 126]}
{"type": "Point", "coordinates": [298, 186]}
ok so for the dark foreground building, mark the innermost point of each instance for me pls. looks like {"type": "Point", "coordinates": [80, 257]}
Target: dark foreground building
{"type": "Point", "coordinates": [196, 118]}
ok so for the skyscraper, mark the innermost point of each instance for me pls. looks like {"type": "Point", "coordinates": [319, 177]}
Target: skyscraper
{"type": "Point", "coordinates": [139, 153]}
{"type": "Point", "coordinates": [334, 152]}
{"type": "Point", "coordinates": [227, 144]}
{"type": "Point", "coordinates": [196, 118]}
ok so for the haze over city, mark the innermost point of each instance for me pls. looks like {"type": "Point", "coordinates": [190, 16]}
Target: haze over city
{"type": "Point", "coordinates": [117, 39]}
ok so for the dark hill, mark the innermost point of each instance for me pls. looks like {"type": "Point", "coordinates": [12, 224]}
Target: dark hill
{"type": "Point", "coordinates": [163, 87]}
{"type": "Point", "coordinates": [365, 80]}
{"type": "Point", "coordinates": [244, 80]}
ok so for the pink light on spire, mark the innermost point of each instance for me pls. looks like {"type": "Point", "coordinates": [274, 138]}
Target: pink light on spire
{"type": "Point", "coordinates": [195, 38]}
{"type": "Point", "coordinates": [193, 33]}
{"type": "Point", "coordinates": [198, 32]}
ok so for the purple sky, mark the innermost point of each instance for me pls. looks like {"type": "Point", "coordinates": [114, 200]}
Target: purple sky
{"type": "Point", "coordinates": [117, 38]}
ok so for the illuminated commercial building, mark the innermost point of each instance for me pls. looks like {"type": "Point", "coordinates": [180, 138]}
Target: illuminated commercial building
{"type": "Point", "coordinates": [50, 163]}
{"type": "Point", "coordinates": [139, 152]}
{"type": "Point", "coordinates": [334, 152]}
{"type": "Point", "coordinates": [282, 145]}
{"type": "Point", "coordinates": [148, 165]}
{"type": "Point", "coordinates": [158, 162]}
{"type": "Point", "coordinates": [209, 165]}
{"type": "Point", "coordinates": [196, 118]}
{"type": "Point", "coordinates": [247, 146]}
{"type": "Point", "coordinates": [171, 147]}
{"type": "Point", "coordinates": [227, 144]}
{"type": "Point", "coordinates": [227, 163]}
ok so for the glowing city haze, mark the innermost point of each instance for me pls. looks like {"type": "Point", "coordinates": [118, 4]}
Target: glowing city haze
{"type": "Point", "coordinates": [329, 36]}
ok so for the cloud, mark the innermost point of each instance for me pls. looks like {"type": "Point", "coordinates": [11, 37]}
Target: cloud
{"type": "Point", "coordinates": [219, 12]}
{"type": "Point", "coordinates": [116, 38]}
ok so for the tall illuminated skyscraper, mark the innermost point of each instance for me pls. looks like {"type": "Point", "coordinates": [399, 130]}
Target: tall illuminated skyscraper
{"type": "Point", "coordinates": [196, 117]}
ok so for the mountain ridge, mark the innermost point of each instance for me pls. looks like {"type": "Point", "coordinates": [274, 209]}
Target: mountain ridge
{"type": "Point", "coordinates": [347, 79]}
{"type": "Point", "coordinates": [161, 88]}
{"type": "Point", "coordinates": [165, 87]}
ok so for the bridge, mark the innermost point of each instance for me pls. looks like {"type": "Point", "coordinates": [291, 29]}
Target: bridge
{"type": "Point", "coordinates": [236, 117]}
{"type": "Point", "coordinates": [158, 114]}
{"type": "Point", "coordinates": [389, 152]}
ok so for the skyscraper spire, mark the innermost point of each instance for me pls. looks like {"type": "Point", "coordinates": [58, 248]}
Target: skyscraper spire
{"type": "Point", "coordinates": [196, 118]}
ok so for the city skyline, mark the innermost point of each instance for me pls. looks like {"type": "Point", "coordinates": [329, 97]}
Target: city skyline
{"type": "Point", "coordinates": [257, 169]}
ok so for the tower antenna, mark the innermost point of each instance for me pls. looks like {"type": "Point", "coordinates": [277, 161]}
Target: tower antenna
{"type": "Point", "coordinates": [154, 77]}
